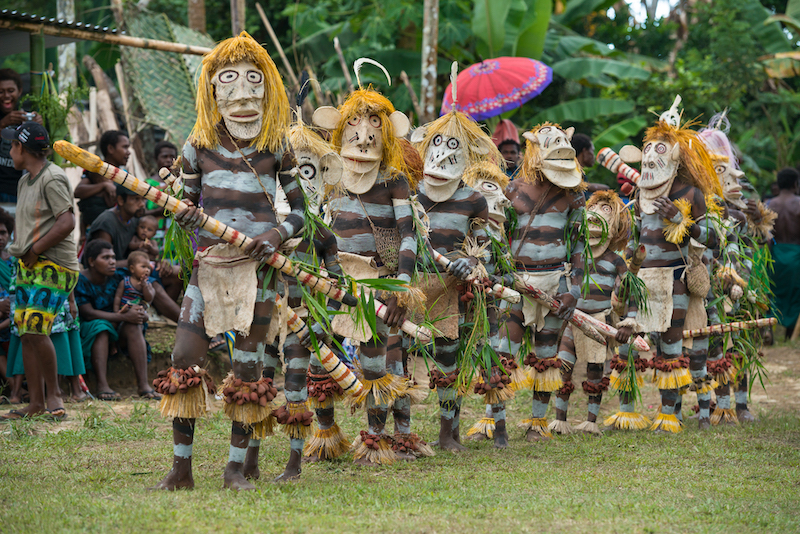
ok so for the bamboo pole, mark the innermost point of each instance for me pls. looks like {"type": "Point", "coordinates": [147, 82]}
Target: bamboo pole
{"type": "Point", "coordinates": [327, 358]}
{"type": "Point", "coordinates": [730, 327]}
{"type": "Point", "coordinates": [278, 46]}
{"type": "Point", "coordinates": [122, 40]}
{"type": "Point", "coordinates": [94, 164]}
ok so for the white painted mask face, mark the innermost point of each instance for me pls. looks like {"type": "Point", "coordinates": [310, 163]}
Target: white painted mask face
{"type": "Point", "coordinates": [659, 163]}
{"type": "Point", "coordinates": [239, 92]}
{"type": "Point", "coordinates": [497, 202]}
{"type": "Point", "coordinates": [605, 211]}
{"type": "Point", "coordinates": [362, 143]}
{"type": "Point", "coordinates": [558, 162]}
{"type": "Point", "coordinates": [729, 179]}
{"type": "Point", "coordinates": [445, 163]}
{"type": "Point", "coordinates": [316, 174]}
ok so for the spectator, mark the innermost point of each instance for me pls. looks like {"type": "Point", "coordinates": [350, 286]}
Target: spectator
{"type": "Point", "coordinates": [135, 288]}
{"type": "Point", "coordinates": [786, 250]}
{"type": "Point", "coordinates": [96, 193]}
{"type": "Point", "coordinates": [143, 238]}
{"type": "Point", "coordinates": [506, 138]}
{"type": "Point", "coordinates": [66, 340]}
{"type": "Point", "coordinates": [48, 268]}
{"type": "Point", "coordinates": [584, 151]}
{"type": "Point", "coordinates": [101, 327]}
{"type": "Point", "coordinates": [165, 153]}
{"type": "Point", "coordinates": [10, 93]}
{"type": "Point", "coordinates": [7, 265]}
{"type": "Point", "coordinates": [117, 225]}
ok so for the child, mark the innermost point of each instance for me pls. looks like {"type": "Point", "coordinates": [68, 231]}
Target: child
{"type": "Point", "coordinates": [135, 288]}
{"type": "Point", "coordinates": [143, 238]}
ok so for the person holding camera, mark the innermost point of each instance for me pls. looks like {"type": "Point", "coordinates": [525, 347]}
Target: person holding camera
{"type": "Point", "coordinates": [10, 92]}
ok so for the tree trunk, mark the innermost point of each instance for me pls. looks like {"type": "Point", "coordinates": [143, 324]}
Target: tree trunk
{"type": "Point", "coordinates": [430, 48]}
{"type": "Point", "coordinates": [237, 17]}
{"type": "Point", "coordinates": [197, 15]}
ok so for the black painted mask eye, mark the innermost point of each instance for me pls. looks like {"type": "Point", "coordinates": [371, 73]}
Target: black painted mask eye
{"type": "Point", "coordinates": [375, 121]}
{"type": "Point", "coordinates": [353, 121]}
{"type": "Point", "coordinates": [452, 143]}
{"type": "Point", "coordinates": [228, 76]}
{"type": "Point", "coordinates": [253, 76]}
{"type": "Point", "coordinates": [437, 140]}
{"type": "Point", "coordinates": [307, 171]}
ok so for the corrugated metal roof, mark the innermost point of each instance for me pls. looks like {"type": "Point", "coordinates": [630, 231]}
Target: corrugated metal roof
{"type": "Point", "coordinates": [14, 41]}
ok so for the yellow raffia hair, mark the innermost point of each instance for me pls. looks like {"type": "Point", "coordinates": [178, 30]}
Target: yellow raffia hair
{"type": "Point", "coordinates": [696, 166]}
{"type": "Point", "coordinates": [369, 101]}
{"type": "Point", "coordinates": [302, 137]}
{"type": "Point", "coordinates": [622, 232]}
{"type": "Point", "coordinates": [532, 161]}
{"type": "Point", "coordinates": [276, 104]}
{"type": "Point", "coordinates": [485, 170]}
{"type": "Point", "coordinates": [479, 146]}
{"type": "Point", "coordinates": [677, 232]}
{"type": "Point", "coordinates": [714, 206]}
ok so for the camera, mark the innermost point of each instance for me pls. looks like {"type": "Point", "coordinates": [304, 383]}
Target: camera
{"type": "Point", "coordinates": [29, 116]}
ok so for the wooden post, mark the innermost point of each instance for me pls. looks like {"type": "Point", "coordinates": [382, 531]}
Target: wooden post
{"type": "Point", "coordinates": [37, 62]}
{"type": "Point", "coordinates": [197, 15]}
{"type": "Point", "coordinates": [237, 17]}
{"type": "Point", "coordinates": [430, 48]}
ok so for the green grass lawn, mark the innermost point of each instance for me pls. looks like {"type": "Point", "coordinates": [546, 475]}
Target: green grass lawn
{"type": "Point", "coordinates": [90, 475]}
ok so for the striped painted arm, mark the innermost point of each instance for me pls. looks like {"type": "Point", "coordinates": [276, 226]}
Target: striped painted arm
{"type": "Point", "coordinates": [498, 290]}
{"type": "Point", "coordinates": [332, 364]}
{"type": "Point", "coordinates": [730, 327]}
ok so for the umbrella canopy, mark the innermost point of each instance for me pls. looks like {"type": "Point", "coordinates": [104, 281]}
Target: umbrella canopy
{"type": "Point", "coordinates": [494, 86]}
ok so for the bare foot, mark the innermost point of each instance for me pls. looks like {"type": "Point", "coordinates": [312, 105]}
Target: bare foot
{"type": "Point", "coordinates": [291, 474]}
{"type": "Point", "coordinates": [500, 440]}
{"type": "Point", "coordinates": [745, 416]}
{"type": "Point", "coordinates": [478, 437]}
{"type": "Point", "coordinates": [447, 443]}
{"type": "Point", "coordinates": [251, 472]}
{"type": "Point", "coordinates": [533, 436]}
{"type": "Point", "coordinates": [175, 480]}
{"type": "Point", "coordinates": [235, 480]}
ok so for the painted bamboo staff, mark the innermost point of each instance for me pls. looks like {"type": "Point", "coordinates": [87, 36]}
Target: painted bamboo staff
{"type": "Point", "coordinates": [497, 291]}
{"type": "Point", "coordinates": [592, 327]}
{"type": "Point", "coordinates": [724, 328]}
{"type": "Point", "coordinates": [94, 164]}
{"type": "Point", "coordinates": [338, 370]}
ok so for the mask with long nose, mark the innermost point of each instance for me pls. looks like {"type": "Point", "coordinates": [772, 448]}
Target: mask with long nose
{"type": "Point", "coordinates": [445, 163]}
{"type": "Point", "coordinates": [239, 93]}
{"type": "Point", "coordinates": [729, 179]}
{"type": "Point", "coordinates": [556, 157]}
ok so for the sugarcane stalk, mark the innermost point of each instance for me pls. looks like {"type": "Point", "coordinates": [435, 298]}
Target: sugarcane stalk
{"type": "Point", "coordinates": [724, 328]}
{"type": "Point", "coordinates": [497, 291]}
{"type": "Point", "coordinates": [332, 364]}
{"type": "Point", "coordinates": [592, 327]}
{"type": "Point", "coordinates": [93, 163]}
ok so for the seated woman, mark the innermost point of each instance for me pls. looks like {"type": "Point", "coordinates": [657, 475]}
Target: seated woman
{"type": "Point", "coordinates": [101, 327]}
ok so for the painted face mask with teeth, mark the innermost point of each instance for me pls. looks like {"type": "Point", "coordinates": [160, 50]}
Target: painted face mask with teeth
{"type": "Point", "coordinates": [445, 163]}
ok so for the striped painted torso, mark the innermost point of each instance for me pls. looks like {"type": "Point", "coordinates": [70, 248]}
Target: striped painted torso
{"type": "Point", "coordinates": [606, 272]}
{"type": "Point", "coordinates": [544, 241]}
{"type": "Point", "coordinates": [352, 213]}
{"type": "Point", "coordinates": [232, 194]}
{"type": "Point", "coordinates": [452, 221]}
